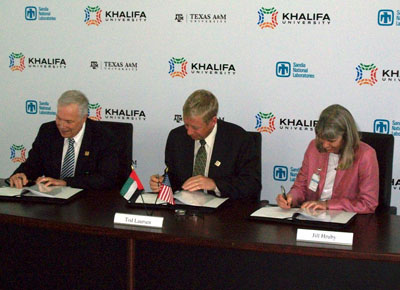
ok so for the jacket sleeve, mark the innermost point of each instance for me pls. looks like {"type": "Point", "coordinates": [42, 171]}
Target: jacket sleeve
{"type": "Point", "coordinates": [33, 166]}
{"type": "Point", "coordinates": [300, 187]}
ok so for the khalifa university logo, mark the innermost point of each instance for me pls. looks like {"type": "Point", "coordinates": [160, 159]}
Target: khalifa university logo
{"type": "Point", "coordinates": [173, 63]}
{"type": "Point", "coordinates": [17, 58]}
{"type": "Point", "coordinates": [96, 107]}
{"type": "Point", "coordinates": [95, 12]}
{"type": "Point", "coordinates": [362, 69]}
{"type": "Point", "coordinates": [271, 122]}
{"type": "Point", "coordinates": [262, 13]}
{"type": "Point", "coordinates": [15, 148]}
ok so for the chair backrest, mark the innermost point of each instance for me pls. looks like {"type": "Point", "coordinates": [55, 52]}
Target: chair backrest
{"type": "Point", "coordinates": [122, 133]}
{"type": "Point", "coordinates": [258, 141]}
{"type": "Point", "coordinates": [383, 145]}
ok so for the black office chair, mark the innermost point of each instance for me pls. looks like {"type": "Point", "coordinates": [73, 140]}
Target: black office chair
{"type": "Point", "coordinates": [122, 134]}
{"type": "Point", "coordinates": [258, 141]}
{"type": "Point", "coordinates": [383, 145]}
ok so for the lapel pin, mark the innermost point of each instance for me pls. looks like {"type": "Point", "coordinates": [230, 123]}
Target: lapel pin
{"type": "Point", "coordinates": [217, 163]}
{"type": "Point", "coordinates": [87, 153]}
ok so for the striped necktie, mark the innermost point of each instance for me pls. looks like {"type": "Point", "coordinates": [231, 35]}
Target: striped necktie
{"type": "Point", "coordinates": [201, 159]}
{"type": "Point", "coordinates": [69, 160]}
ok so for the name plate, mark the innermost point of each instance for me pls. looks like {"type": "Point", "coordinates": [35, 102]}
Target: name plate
{"type": "Point", "coordinates": [328, 237]}
{"type": "Point", "coordinates": [138, 220]}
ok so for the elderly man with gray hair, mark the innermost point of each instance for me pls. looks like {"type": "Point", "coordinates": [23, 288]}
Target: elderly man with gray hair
{"type": "Point", "coordinates": [70, 151]}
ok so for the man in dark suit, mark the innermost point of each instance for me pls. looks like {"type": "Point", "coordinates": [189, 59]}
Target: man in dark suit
{"type": "Point", "coordinates": [230, 158]}
{"type": "Point", "coordinates": [70, 151]}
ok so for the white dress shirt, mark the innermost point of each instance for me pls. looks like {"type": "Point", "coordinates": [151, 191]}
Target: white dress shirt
{"type": "Point", "coordinates": [210, 139]}
{"type": "Point", "coordinates": [77, 145]}
{"type": "Point", "coordinates": [330, 176]}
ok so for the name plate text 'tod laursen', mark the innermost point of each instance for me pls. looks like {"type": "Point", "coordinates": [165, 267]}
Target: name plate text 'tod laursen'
{"type": "Point", "coordinates": [138, 220]}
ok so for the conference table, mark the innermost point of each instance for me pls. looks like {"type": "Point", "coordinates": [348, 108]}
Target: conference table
{"type": "Point", "coordinates": [78, 246]}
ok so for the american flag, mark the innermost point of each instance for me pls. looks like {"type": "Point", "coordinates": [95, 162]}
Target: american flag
{"type": "Point", "coordinates": [165, 193]}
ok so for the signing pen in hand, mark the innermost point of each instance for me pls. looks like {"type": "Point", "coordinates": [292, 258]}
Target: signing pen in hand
{"type": "Point", "coordinates": [158, 181]}
{"type": "Point", "coordinates": [283, 192]}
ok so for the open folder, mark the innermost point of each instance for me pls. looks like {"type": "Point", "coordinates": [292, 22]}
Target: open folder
{"type": "Point", "coordinates": [40, 192]}
{"type": "Point", "coordinates": [325, 218]}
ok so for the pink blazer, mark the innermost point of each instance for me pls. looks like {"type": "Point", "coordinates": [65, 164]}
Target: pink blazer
{"type": "Point", "coordinates": [355, 189]}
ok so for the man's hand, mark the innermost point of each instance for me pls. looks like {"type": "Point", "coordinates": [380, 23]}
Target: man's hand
{"type": "Point", "coordinates": [48, 181]}
{"type": "Point", "coordinates": [18, 180]}
{"type": "Point", "coordinates": [155, 182]}
{"type": "Point", "coordinates": [199, 182]}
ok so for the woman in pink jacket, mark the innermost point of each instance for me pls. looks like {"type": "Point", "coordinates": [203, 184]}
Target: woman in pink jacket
{"type": "Point", "coordinates": [338, 171]}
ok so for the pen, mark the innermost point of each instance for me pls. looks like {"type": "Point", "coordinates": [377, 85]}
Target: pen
{"type": "Point", "coordinates": [158, 180]}
{"type": "Point", "coordinates": [283, 192]}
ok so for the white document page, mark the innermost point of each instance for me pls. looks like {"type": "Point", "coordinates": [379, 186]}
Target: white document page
{"type": "Point", "coordinates": [333, 216]}
{"type": "Point", "coordinates": [63, 192]}
{"type": "Point", "coordinates": [149, 198]}
{"type": "Point", "coordinates": [199, 198]}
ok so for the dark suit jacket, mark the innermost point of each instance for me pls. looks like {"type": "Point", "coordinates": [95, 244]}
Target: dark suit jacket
{"type": "Point", "coordinates": [236, 176]}
{"type": "Point", "coordinates": [97, 163]}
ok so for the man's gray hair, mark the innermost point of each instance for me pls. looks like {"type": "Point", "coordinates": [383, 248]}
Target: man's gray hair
{"type": "Point", "coordinates": [75, 97]}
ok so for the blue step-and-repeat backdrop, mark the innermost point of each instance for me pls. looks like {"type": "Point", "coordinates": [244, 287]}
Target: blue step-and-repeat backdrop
{"type": "Point", "coordinates": [273, 65]}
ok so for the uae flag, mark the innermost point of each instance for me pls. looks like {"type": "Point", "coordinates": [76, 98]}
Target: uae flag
{"type": "Point", "coordinates": [132, 187]}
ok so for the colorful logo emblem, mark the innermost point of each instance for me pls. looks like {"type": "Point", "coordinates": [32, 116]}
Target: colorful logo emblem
{"type": "Point", "coordinates": [280, 173]}
{"type": "Point", "coordinates": [14, 148]}
{"type": "Point", "coordinates": [98, 111]}
{"type": "Point", "coordinates": [173, 63]}
{"type": "Point", "coordinates": [283, 69]}
{"type": "Point", "coordinates": [31, 107]}
{"type": "Point", "coordinates": [95, 14]}
{"type": "Point", "coordinates": [381, 126]}
{"type": "Point", "coordinates": [361, 70]}
{"type": "Point", "coordinates": [30, 13]}
{"type": "Point", "coordinates": [261, 18]}
{"type": "Point", "coordinates": [14, 58]}
{"type": "Point", "coordinates": [385, 17]}
{"type": "Point", "coordinates": [271, 122]}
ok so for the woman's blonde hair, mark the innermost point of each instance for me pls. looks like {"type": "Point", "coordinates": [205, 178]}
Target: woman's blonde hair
{"type": "Point", "coordinates": [334, 122]}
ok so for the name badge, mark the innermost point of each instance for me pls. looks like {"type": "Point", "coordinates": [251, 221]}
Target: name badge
{"type": "Point", "coordinates": [314, 182]}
